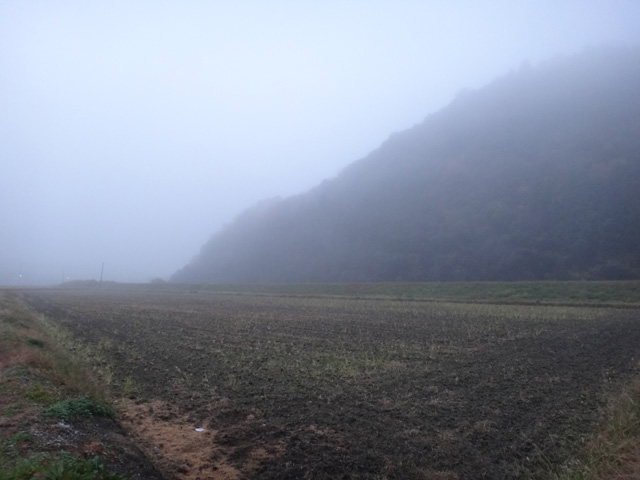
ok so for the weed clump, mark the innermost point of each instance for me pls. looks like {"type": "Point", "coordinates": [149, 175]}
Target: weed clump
{"type": "Point", "coordinates": [35, 342]}
{"type": "Point", "coordinates": [41, 396]}
{"type": "Point", "coordinates": [74, 408]}
{"type": "Point", "coordinates": [8, 447]}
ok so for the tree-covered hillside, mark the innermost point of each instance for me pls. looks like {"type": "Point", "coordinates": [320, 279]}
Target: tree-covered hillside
{"type": "Point", "coordinates": [536, 176]}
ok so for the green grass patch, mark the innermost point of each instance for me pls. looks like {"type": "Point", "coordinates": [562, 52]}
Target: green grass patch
{"type": "Point", "coordinates": [11, 410]}
{"type": "Point", "coordinates": [74, 408]}
{"type": "Point", "coordinates": [8, 446]}
{"type": "Point", "coordinates": [39, 395]}
{"type": "Point", "coordinates": [63, 467]}
{"type": "Point", "coordinates": [19, 438]}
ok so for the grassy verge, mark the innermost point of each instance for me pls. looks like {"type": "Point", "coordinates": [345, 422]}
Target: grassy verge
{"type": "Point", "coordinates": [42, 386]}
{"type": "Point", "coordinates": [614, 452]}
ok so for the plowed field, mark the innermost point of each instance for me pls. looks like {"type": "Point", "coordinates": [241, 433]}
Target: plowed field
{"type": "Point", "coordinates": [325, 388]}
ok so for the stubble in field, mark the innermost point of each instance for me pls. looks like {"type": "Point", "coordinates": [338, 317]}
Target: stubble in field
{"type": "Point", "coordinates": [300, 387]}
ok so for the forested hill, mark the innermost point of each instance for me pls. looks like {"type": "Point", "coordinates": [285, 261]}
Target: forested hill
{"type": "Point", "coordinates": [535, 176]}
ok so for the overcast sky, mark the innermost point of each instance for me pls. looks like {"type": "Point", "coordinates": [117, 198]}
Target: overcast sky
{"type": "Point", "coordinates": [131, 131]}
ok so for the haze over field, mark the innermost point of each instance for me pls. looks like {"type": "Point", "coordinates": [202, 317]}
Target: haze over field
{"type": "Point", "coordinates": [130, 132]}
{"type": "Point", "coordinates": [534, 177]}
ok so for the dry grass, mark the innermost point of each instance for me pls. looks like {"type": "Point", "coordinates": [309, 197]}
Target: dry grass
{"type": "Point", "coordinates": [614, 452]}
{"type": "Point", "coordinates": [44, 351]}
{"type": "Point", "coordinates": [37, 369]}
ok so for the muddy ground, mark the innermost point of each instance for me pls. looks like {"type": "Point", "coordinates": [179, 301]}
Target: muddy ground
{"type": "Point", "coordinates": [325, 388]}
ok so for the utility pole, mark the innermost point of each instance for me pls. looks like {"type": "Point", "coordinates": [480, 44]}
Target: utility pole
{"type": "Point", "coordinates": [101, 272]}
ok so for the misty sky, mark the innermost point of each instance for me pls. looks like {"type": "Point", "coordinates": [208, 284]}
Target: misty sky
{"type": "Point", "coordinates": [131, 131]}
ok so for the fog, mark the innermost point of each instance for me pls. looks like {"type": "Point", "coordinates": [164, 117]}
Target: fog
{"type": "Point", "coordinates": [130, 132]}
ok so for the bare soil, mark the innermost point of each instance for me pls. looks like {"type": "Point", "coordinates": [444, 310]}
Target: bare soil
{"type": "Point", "coordinates": [186, 451]}
{"type": "Point", "coordinates": [294, 387]}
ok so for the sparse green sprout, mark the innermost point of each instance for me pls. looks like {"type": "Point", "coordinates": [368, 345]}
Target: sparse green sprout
{"type": "Point", "coordinates": [128, 388]}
